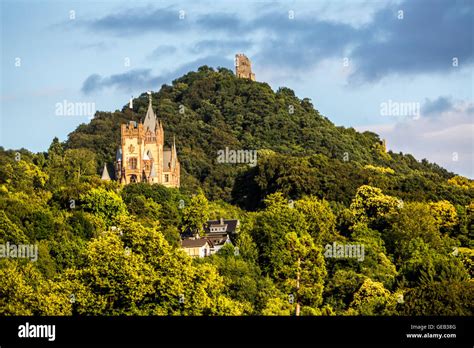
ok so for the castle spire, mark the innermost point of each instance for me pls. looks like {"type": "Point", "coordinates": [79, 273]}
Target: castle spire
{"type": "Point", "coordinates": [150, 118]}
{"type": "Point", "coordinates": [105, 173]}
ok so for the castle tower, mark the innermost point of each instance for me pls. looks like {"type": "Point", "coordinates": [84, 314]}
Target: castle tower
{"type": "Point", "coordinates": [142, 157]}
{"type": "Point", "coordinates": [243, 67]}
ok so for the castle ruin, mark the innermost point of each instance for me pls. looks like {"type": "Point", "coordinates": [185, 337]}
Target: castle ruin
{"type": "Point", "coordinates": [243, 67]}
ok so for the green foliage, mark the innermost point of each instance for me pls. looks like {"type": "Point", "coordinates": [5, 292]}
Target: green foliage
{"type": "Point", "coordinates": [445, 215]}
{"type": "Point", "coordinates": [370, 205]}
{"type": "Point", "coordinates": [372, 299]}
{"type": "Point", "coordinates": [320, 218]}
{"type": "Point", "coordinates": [301, 269]}
{"type": "Point", "coordinates": [440, 299]}
{"type": "Point", "coordinates": [104, 249]}
{"type": "Point", "coordinates": [312, 155]}
{"type": "Point", "coordinates": [107, 205]}
{"type": "Point", "coordinates": [195, 214]}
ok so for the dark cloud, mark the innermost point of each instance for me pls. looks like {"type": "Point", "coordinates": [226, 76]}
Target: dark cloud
{"type": "Point", "coordinates": [140, 20]}
{"type": "Point", "coordinates": [302, 43]}
{"type": "Point", "coordinates": [430, 34]}
{"type": "Point", "coordinates": [91, 83]}
{"type": "Point", "coordinates": [437, 106]}
{"type": "Point", "coordinates": [138, 80]}
{"type": "Point", "coordinates": [129, 81]}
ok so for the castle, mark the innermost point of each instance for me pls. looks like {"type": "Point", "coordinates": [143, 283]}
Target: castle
{"type": "Point", "coordinates": [142, 156]}
{"type": "Point", "coordinates": [243, 68]}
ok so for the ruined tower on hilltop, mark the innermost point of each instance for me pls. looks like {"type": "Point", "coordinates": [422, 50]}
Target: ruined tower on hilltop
{"type": "Point", "coordinates": [243, 67]}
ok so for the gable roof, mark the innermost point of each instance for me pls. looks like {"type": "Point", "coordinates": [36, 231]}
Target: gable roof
{"type": "Point", "coordinates": [195, 243]}
{"type": "Point", "coordinates": [231, 225]}
{"type": "Point", "coordinates": [217, 239]}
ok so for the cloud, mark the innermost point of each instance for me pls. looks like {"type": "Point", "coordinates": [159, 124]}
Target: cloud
{"type": "Point", "coordinates": [221, 46]}
{"type": "Point", "coordinates": [220, 21]}
{"type": "Point", "coordinates": [161, 51]}
{"type": "Point", "coordinates": [430, 35]}
{"type": "Point", "coordinates": [143, 79]}
{"type": "Point", "coordinates": [303, 43]}
{"type": "Point", "coordinates": [139, 20]}
{"type": "Point", "coordinates": [129, 81]}
{"type": "Point", "coordinates": [98, 46]}
{"type": "Point", "coordinates": [445, 137]}
{"type": "Point", "coordinates": [437, 106]}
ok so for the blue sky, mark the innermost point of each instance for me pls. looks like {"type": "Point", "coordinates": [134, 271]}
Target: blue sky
{"type": "Point", "coordinates": [349, 57]}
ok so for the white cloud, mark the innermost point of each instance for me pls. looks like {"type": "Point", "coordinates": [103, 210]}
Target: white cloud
{"type": "Point", "coordinates": [447, 139]}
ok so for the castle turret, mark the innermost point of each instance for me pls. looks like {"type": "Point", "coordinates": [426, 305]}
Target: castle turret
{"type": "Point", "coordinates": [105, 173]}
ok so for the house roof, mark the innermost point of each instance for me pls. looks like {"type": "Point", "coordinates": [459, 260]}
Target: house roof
{"type": "Point", "coordinates": [217, 239]}
{"type": "Point", "coordinates": [195, 243]}
{"type": "Point", "coordinates": [231, 225]}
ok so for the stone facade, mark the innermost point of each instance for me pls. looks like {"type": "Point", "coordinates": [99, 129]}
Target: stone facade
{"type": "Point", "coordinates": [142, 157]}
{"type": "Point", "coordinates": [243, 67]}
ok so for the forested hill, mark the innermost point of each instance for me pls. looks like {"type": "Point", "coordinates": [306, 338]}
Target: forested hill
{"type": "Point", "coordinates": [405, 228]}
{"type": "Point", "coordinates": [299, 150]}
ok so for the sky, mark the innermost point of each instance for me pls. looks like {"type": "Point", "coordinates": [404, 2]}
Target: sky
{"type": "Point", "coordinates": [402, 69]}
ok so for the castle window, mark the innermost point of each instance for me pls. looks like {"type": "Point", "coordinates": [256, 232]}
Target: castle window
{"type": "Point", "coordinates": [167, 177]}
{"type": "Point", "coordinates": [132, 163]}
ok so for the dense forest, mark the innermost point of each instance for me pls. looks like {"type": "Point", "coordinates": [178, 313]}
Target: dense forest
{"type": "Point", "coordinates": [104, 249]}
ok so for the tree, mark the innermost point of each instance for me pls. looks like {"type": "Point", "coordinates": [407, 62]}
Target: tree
{"type": "Point", "coordinates": [24, 291]}
{"type": "Point", "coordinates": [195, 214]}
{"type": "Point", "coordinates": [413, 220]}
{"type": "Point", "coordinates": [301, 269]}
{"type": "Point", "coordinates": [114, 280]}
{"type": "Point", "coordinates": [372, 299]}
{"type": "Point", "coordinates": [376, 264]}
{"type": "Point", "coordinates": [443, 298]}
{"type": "Point", "coordinates": [320, 218]}
{"type": "Point", "coordinates": [79, 163]}
{"type": "Point", "coordinates": [445, 215]}
{"type": "Point", "coordinates": [105, 204]}
{"type": "Point", "coordinates": [272, 225]}
{"type": "Point", "coordinates": [370, 205]}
